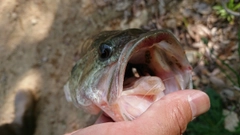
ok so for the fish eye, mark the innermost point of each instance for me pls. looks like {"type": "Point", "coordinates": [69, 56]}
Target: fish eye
{"type": "Point", "coordinates": [105, 51]}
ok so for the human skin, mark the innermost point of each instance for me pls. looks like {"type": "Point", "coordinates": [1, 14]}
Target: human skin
{"type": "Point", "coordinates": [168, 116]}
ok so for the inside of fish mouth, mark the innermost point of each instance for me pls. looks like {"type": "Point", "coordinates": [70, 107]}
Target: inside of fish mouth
{"type": "Point", "coordinates": [134, 72]}
{"type": "Point", "coordinates": [142, 80]}
{"type": "Point", "coordinates": [138, 67]}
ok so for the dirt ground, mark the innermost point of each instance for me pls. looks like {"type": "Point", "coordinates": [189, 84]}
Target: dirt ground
{"type": "Point", "coordinates": [39, 41]}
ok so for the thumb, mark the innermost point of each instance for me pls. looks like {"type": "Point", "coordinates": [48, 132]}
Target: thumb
{"type": "Point", "coordinates": [171, 114]}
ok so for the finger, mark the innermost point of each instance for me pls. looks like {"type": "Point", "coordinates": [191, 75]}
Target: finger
{"type": "Point", "coordinates": [171, 114]}
{"type": "Point", "coordinates": [110, 128]}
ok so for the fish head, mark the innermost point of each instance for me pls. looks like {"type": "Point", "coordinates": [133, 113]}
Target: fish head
{"type": "Point", "coordinates": [123, 72]}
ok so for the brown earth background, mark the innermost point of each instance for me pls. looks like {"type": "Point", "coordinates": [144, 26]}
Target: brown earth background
{"type": "Point", "coordinates": [39, 41]}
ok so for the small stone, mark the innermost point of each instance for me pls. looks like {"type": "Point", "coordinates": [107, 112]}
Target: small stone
{"type": "Point", "coordinates": [231, 120]}
{"type": "Point", "coordinates": [161, 7]}
{"type": "Point", "coordinates": [217, 81]}
{"type": "Point", "coordinates": [226, 93]}
{"type": "Point", "coordinates": [186, 12]}
{"type": "Point", "coordinates": [191, 56]}
{"type": "Point", "coordinates": [198, 45]}
{"type": "Point", "coordinates": [171, 23]}
{"type": "Point", "coordinates": [205, 80]}
{"type": "Point", "coordinates": [202, 8]}
{"type": "Point", "coordinates": [213, 31]}
{"type": "Point", "coordinates": [14, 15]}
{"type": "Point", "coordinates": [142, 17]}
{"type": "Point", "coordinates": [121, 6]}
{"type": "Point", "coordinates": [44, 59]}
{"type": "Point", "coordinates": [34, 21]}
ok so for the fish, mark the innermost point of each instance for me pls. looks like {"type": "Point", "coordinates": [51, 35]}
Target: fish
{"type": "Point", "coordinates": [122, 72]}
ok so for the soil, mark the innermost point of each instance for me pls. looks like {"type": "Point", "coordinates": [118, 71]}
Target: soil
{"type": "Point", "coordinates": [39, 43]}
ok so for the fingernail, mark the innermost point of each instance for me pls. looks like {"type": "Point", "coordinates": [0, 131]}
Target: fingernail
{"type": "Point", "coordinates": [199, 103]}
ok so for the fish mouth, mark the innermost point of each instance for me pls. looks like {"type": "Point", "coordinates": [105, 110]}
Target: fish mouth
{"type": "Point", "coordinates": [148, 68]}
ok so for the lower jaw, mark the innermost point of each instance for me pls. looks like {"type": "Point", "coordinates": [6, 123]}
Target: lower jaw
{"type": "Point", "coordinates": [136, 99]}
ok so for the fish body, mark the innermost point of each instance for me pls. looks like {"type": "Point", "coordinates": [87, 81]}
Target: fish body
{"type": "Point", "coordinates": [123, 72]}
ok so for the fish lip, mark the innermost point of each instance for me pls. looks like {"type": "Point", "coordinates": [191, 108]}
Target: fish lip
{"type": "Point", "coordinates": [145, 40]}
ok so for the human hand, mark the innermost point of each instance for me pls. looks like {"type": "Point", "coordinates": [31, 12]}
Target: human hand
{"type": "Point", "coordinates": [168, 116]}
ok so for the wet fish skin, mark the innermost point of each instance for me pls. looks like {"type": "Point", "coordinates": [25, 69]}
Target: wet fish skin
{"type": "Point", "coordinates": [96, 81]}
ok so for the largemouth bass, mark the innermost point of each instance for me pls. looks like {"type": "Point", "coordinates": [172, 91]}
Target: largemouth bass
{"type": "Point", "coordinates": [123, 72]}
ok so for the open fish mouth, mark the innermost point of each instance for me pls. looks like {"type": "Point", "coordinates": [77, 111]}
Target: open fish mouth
{"type": "Point", "coordinates": [141, 71]}
{"type": "Point", "coordinates": [149, 67]}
